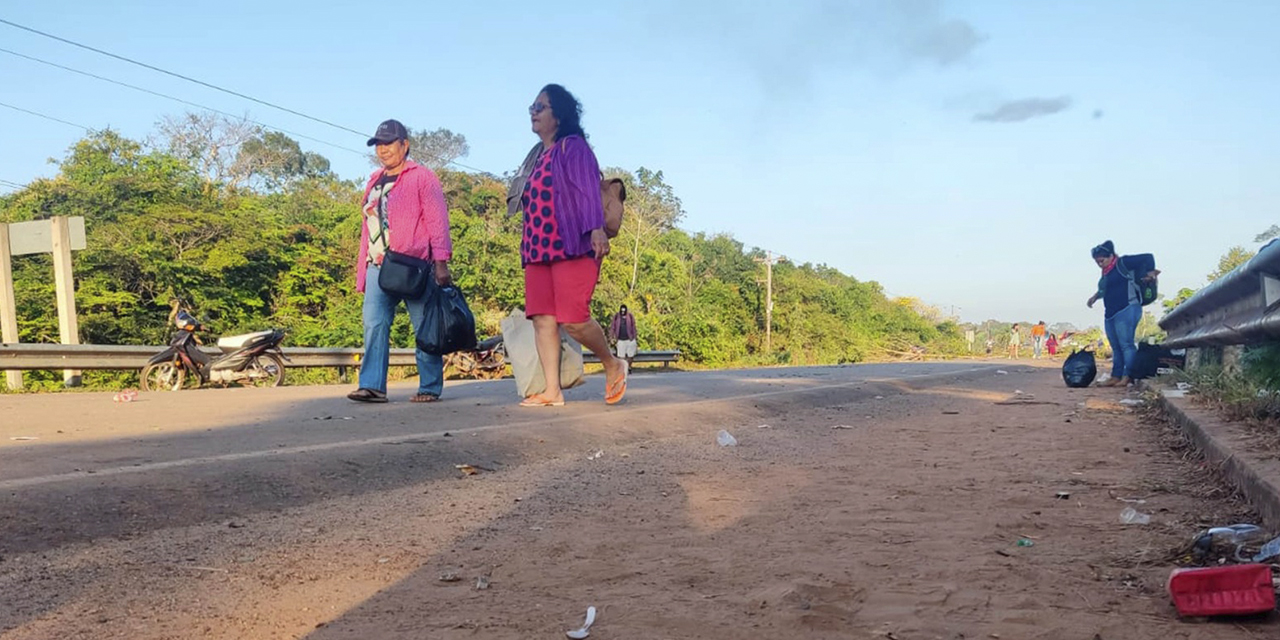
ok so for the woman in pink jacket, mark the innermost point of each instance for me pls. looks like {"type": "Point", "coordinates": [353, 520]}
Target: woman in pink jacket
{"type": "Point", "coordinates": [404, 211]}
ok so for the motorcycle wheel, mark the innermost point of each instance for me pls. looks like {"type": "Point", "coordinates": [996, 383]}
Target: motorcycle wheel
{"type": "Point", "coordinates": [163, 376]}
{"type": "Point", "coordinates": [266, 370]}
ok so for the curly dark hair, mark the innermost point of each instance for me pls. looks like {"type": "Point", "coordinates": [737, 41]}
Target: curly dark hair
{"type": "Point", "coordinates": [1104, 250]}
{"type": "Point", "coordinates": [566, 109]}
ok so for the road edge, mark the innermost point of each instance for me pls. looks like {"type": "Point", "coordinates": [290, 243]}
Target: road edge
{"type": "Point", "coordinates": [1209, 433]}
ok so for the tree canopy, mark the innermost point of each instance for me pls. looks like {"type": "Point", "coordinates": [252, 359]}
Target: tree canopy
{"type": "Point", "coordinates": [250, 231]}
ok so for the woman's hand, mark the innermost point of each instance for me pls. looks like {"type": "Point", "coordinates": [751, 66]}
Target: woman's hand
{"type": "Point", "coordinates": [442, 274]}
{"type": "Point", "coordinates": [1092, 300]}
{"type": "Point", "coordinates": [1151, 277]}
{"type": "Point", "coordinates": [599, 243]}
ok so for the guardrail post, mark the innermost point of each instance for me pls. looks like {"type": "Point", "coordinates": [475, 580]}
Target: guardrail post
{"type": "Point", "coordinates": [8, 304]}
{"type": "Point", "coordinates": [64, 283]}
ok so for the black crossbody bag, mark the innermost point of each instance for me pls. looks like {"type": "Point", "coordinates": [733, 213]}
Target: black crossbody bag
{"type": "Point", "coordinates": [405, 276]}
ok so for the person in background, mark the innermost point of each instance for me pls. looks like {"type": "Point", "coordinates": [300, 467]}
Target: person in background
{"type": "Point", "coordinates": [1037, 339]}
{"type": "Point", "coordinates": [991, 344]}
{"type": "Point", "coordinates": [1051, 344]}
{"type": "Point", "coordinates": [623, 331]}
{"type": "Point", "coordinates": [563, 243]}
{"type": "Point", "coordinates": [1015, 341]}
{"type": "Point", "coordinates": [1122, 305]}
{"type": "Point", "coordinates": [404, 211]}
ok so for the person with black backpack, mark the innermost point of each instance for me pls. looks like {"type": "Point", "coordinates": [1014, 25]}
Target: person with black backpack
{"type": "Point", "coordinates": [1128, 283]}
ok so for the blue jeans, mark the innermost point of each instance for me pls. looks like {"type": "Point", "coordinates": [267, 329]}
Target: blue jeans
{"type": "Point", "coordinates": [379, 312]}
{"type": "Point", "coordinates": [1039, 344]}
{"type": "Point", "coordinates": [1121, 329]}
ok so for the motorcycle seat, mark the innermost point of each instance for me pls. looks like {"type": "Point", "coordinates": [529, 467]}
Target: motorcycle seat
{"type": "Point", "coordinates": [238, 342]}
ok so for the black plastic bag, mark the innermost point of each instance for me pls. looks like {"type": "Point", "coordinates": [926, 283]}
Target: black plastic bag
{"type": "Point", "coordinates": [447, 323]}
{"type": "Point", "coordinates": [1154, 359]}
{"type": "Point", "coordinates": [1080, 369]}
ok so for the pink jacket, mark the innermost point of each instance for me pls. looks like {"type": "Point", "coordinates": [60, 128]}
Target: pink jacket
{"type": "Point", "coordinates": [416, 214]}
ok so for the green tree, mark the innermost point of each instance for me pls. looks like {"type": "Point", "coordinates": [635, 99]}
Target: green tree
{"type": "Point", "coordinates": [1234, 257]}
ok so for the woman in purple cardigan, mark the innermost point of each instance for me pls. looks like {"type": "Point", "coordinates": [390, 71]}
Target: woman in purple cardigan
{"type": "Point", "coordinates": [563, 243]}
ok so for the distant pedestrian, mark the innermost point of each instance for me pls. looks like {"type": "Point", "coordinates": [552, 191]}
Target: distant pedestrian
{"type": "Point", "coordinates": [1015, 342]}
{"type": "Point", "coordinates": [1037, 339]}
{"type": "Point", "coordinates": [1051, 343]}
{"type": "Point", "coordinates": [991, 345]}
{"type": "Point", "coordinates": [623, 332]}
{"type": "Point", "coordinates": [563, 243]}
{"type": "Point", "coordinates": [416, 223]}
{"type": "Point", "coordinates": [1122, 304]}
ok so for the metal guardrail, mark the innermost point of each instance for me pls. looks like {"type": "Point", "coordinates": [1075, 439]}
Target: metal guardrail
{"type": "Point", "coordinates": [1242, 307]}
{"type": "Point", "coordinates": [91, 356]}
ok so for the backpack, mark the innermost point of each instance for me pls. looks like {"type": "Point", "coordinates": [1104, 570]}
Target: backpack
{"type": "Point", "coordinates": [1147, 291]}
{"type": "Point", "coordinates": [612, 194]}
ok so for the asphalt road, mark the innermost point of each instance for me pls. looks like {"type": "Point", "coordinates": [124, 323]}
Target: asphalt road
{"type": "Point", "coordinates": [77, 467]}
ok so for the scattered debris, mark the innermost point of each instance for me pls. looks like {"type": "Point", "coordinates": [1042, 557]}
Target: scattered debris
{"type": "Point", "coordinates": [842, 426]}
{"type": "Point", "coordinates": [128, 395]}
{"type": "Point", "coordinates": [24, 438]}
{"type": "Point", "coordinates": [764, 426]}
{"type": "Point", "coordinates": [1063, 495]}
{"type": "Point", "coordinates": [448, 435]}
{"type": "Point", "coordinates": [1002, 372]}
{"type": "Point", "coordinates": [450, 577]}
{"type": "Point", "coordinates": [1025, 542]}
{"type": "Point", "coordinates": [1131, 402]}
{"type": "Point", "coordinates": [879, 397]}
{"type": "Point", "coordinates": [1002, 552]}
{"type": "Point", "coordinates": [482, 583]}
{"type": "Point", "coordinates": [1133, 516]}
{"type": "Point", "coordinates": [1184, 386]}
{"type": "Point", "coordinates": [383, 560]}
{"type": "Point", "coordinates": [596, 456]}
{"type": "Point", "coordinates": [950, 413]}
{"type": "Point", "coordinates": [724, 439]}
{"type": "Point", "coordinates": [466, 469]}
{"type": "Point", "coordinates": [585, 631]}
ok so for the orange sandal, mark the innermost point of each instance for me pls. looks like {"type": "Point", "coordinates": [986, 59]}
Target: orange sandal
{"type": "Point", "coordinates": [614, 391]}
{"type": "Point", "coordinates": [537, 400]}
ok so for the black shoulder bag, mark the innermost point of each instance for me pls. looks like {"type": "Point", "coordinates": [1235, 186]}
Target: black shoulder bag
{"type": "Point", "coordinates": [405, 276]}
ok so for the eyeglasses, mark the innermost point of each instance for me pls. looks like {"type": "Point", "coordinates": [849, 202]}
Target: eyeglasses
{"type": "Point", "coordinates": [537, 107]}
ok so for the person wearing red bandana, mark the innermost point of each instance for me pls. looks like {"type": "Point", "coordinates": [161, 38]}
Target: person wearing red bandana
{"type": "Point", "coordinates": [1122, 305]}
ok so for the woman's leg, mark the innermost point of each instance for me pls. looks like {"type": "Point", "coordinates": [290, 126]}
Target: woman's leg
{"type": "Point", "coordinates": [1126, 328]}
{"type": "Point", "coordinates": [379, 309]}
{"type": "Point", "coordinates": [575, 283]}
{"type": "Point", "coordinates": [546, 335]}
{"type": "Point", "coordinates": [430, 367]}
{"type": "Point", "coordinates": [540, 307]}
{"type": "Point", "coordinates": [1117, 356]}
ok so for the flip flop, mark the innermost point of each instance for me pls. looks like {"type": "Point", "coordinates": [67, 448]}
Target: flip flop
{"type": "Point", "coordinates": [536, 400]}
{"type": "Point", "coordinates": [615, 390]}
{"type": "Point", "coordinates": [367, 395]}
{"type": "Point", "coordinates": [423, 398]}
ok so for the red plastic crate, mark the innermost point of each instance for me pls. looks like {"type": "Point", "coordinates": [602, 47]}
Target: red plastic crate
{"type": "Point", "coordinates": [1241, 589]}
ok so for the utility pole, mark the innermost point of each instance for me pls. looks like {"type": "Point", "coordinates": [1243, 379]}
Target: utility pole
{"type": "Point", "coordinates": [769, 260]}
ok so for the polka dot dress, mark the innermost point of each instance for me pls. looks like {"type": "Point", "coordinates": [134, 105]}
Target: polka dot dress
{"type": "Point", "coordinates": [542, 241]}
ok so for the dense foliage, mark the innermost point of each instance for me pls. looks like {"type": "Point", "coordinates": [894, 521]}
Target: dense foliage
{"type": "Point", "coordinates": [275, 245]}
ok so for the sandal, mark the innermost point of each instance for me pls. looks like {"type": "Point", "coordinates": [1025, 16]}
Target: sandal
{"type": "Point", "coordinates": [537, 400]}
{"type": "Point", "coordinates": [367, 395]}
{"type": "Point", "coordinates": [423, 398]}
{"type": "Point", "coordinates": [614, 391]}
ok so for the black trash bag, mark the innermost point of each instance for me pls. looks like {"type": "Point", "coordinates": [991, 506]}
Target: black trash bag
{"type": "Point", "coordinates": [1080, 369]}
{"type": "Point", "coordinates": [1153, 359]}
{"type": "Point", "coordinates": [447, 323]}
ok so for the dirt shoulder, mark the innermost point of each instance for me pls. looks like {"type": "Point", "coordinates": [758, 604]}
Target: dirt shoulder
{"type": "Point", "coordinates": [902, 524]}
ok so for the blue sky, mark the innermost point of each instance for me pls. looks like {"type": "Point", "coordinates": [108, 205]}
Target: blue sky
{"type": "Point", "coordinates": [843, 133]}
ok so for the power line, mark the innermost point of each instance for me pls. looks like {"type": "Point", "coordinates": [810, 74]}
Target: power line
{"type": "Point", "coordinates": [145, 65]}
{"type": "Point", "coordinates": [46, 117]}
{"type": "Point", "coordinates": [180, 100]}
{"type": "Point", "coordinates": [179, 76]}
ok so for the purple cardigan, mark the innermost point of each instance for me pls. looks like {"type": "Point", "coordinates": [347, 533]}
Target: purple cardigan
{"type": "Point", "coordinates": [577, 194]}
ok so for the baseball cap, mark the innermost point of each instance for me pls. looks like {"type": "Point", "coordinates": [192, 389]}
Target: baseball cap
{"type": "Point", "coordinates": [389, 131]}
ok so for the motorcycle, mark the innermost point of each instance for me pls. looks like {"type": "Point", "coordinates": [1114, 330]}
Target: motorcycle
{"type": "Point", "coordinates": [249, 359]}
{"type": "Point", "coordinates": [488, 361]}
